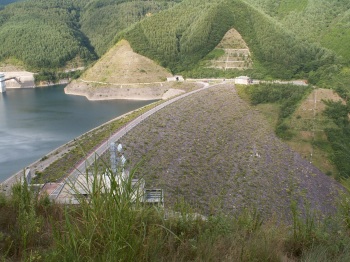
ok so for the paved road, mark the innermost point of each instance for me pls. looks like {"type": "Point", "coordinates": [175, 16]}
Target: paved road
{"type": "Point", "coordinates": [85, 164]}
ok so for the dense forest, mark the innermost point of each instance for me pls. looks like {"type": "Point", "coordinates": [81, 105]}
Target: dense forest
{"type": "Point", "coordinates": [321, 21]}
{"type": "Point", "coordinates": [196, 27]}
{"type": "Point", "coordinates": [178, 34]}
{"type": "Point", "coordinates": [51, 33]}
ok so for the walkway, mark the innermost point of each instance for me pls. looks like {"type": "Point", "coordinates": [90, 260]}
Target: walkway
{"type": "Point", "coordinates": [85, 164]}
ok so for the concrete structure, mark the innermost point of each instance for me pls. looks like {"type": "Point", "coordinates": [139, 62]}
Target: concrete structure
{"type": "Point", "coordinates": [243, 80]}
{"type": "Point", "coordinates": [84, 186]}
{"type": "Point", "coordinates": [175, 78]}
{"type": "Point", "coordinates": [19, 79]}
{"type": "Point", "coordinates": [113, 156]}
{"type": "Point", "coordinates": [154, 197]}
{"type": "Point", "coordinates": [28, 176]}
{"type": "Point", "coordinates": [2, 83]}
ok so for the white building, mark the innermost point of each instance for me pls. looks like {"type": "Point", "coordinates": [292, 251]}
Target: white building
{"type": "Point", "coordinates": [175, 78]}
{"type": "Point", "coordinates": [243, 80]}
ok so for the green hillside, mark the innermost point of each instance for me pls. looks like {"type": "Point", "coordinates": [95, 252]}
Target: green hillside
{"type": "Point", "coordinates": [101, 20]}
{"type": "Point", "coordinates": [48, 34]}
{"type": "Point", "coordinates": [43, 33]}
{"type": "Point", "coordinates": [321, 21]}
{"type": "Point", "coordinates": [287, 39]}
{"type": "Point", "coordinates": [196, 27]}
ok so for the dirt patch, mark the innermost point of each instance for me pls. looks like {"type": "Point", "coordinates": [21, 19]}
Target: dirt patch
{"type": "Point", "coordinates": [236, 53]}
{"type": "Point", "coordinates": [171, 93]}
{"type": "Point", "coordinates": [232, 40]}
{"type": "Point", "coordinates": [154, 91]}
{"type": "Point", "coordinates": [306, 135]}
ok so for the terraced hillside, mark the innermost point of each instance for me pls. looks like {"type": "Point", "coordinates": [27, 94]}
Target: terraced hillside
{"type": "Point", "coordinates": [219, 155]}
{"type": "Point", "coordinates": [231, 53]}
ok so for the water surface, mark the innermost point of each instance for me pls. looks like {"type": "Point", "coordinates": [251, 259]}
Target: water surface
{"type": "Point", "coordinates": [35, 121]}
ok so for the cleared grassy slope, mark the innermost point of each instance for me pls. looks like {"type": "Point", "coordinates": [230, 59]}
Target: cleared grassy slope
{"type": "Point", "coordinates": [121, 65]}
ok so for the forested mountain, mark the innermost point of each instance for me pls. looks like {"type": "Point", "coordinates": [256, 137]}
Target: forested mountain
{"type": "Point", "coordinates": [322, 21]}
{"type": "Point", "coordinates": [179, 37]}
{"type": "Point", "coordinates": [101, 20]}
{"type": "Point", "coordinates": [50, 33]}
{"type": "Point", "coordinates": [287, 39]}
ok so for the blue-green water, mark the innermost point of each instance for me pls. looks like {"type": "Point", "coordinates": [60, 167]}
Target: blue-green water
{"type": "Point", "coordinates": [35, 121]}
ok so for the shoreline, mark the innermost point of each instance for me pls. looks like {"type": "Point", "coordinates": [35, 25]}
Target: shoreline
{"type": "Point", "coordinates": [40, 164]}
{"type": "Point", "coordinates": [43, 162]}
{"type": "Point", "coordinates": [137, 91]}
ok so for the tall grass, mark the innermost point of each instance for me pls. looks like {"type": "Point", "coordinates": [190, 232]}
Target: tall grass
{"type": "Point", "coordinates": [112, 224]}
{"type": "Point", "coordinates": [108, 224]}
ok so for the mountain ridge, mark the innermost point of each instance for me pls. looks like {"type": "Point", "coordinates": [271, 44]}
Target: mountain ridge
{"type": "Point", "coordinates": [176, 34]}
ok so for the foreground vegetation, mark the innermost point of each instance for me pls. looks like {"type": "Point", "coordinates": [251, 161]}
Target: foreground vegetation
{"type": "Point", "coordinates": [110, 227]}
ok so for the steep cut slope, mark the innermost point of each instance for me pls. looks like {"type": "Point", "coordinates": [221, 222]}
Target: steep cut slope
{"type": "Point", "coordinates": [121, 65]}
{"type": "Point", "coordinates": [231, 53]}
{"type": "Point", "coordinates": [225, 161]}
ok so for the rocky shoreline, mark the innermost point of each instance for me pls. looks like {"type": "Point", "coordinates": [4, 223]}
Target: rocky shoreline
{"type": "Point", "coordinates": [141, 91]}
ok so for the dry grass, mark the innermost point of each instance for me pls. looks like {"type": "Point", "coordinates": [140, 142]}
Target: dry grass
{"type": "Point", "coordinates": [308, 124]}
{"type": "Point", "coordinates": [121, 65]}
{"type": "Point", "coordinates": [236, 53]}
{"type": "Point", "coordinates": [232, 40]}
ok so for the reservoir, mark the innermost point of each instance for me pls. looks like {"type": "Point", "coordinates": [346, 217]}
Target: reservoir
{"type": "Point", "coordinates": [35, 121]}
